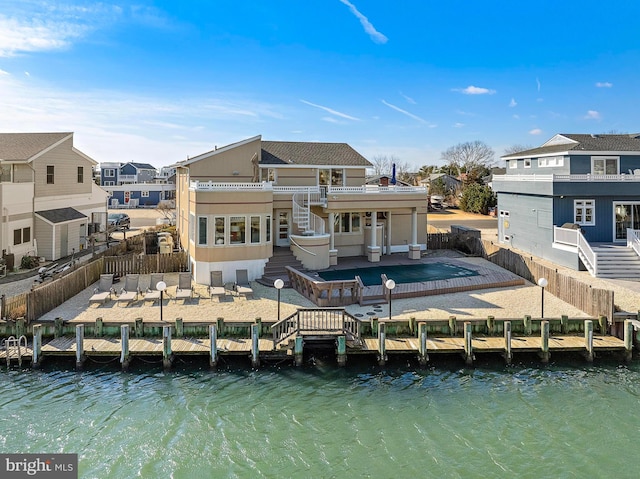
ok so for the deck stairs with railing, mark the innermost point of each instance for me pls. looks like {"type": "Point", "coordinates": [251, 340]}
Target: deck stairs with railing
{"type": "Point", "coordinates": [616, 261]}
{"type": "Point", "coordinates": [308, 223]}
{"type": "Point", "coordinates": [276, 267]}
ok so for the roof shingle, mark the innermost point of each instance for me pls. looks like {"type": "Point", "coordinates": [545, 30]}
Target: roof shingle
{"type": "Point", "coordinates": [585, 142]}
{"type": "Point", "coordinates": [23, 146]}
{"type": "Point", "coordinates": [308, 153]}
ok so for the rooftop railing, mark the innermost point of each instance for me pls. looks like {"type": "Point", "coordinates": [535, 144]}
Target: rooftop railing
{"type": "Point", "coordinates": [568, 178]}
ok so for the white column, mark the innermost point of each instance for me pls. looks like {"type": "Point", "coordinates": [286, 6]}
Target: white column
{"type": "Point", "coordinates": [373, 250]}
{"type": "Point", "coordinates": [414, 247]}
{"type": "Point", "coordinates": [388, 228]}
{"type": "Point", "coordinates": [333, 252]}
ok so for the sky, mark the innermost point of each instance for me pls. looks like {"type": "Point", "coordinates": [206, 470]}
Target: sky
{"type": "Point", "coordinates": [160, 81]}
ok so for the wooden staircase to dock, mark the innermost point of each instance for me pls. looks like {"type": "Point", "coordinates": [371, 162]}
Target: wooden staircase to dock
{"type": "Point", "coordinates": [276, 267]}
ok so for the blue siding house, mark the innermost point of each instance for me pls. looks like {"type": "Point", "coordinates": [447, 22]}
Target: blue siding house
{"type": "Point", "coordinates": [133, 185]}
{"type": "Point", "coordinates": [575, 201]}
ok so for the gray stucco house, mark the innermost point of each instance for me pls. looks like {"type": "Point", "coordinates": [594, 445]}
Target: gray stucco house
{"type": "Point", "coordinates": [590, 184]}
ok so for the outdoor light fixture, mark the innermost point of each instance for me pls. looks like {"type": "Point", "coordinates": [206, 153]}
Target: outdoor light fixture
{"type": "Point", "coordinates": [542, 282]}
{"type": "Point", "coordinates": [161, 286]}
{"type": "Point", "coordinates": [390, 284]}
{"type": "Point", "coordinates": [278, 284]}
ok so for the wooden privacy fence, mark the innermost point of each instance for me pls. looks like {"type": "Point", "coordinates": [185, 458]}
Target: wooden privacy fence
{"type": "Point", "coordinates": [593, 301]}
{"type": "Point", "coordinates": [146, 263]}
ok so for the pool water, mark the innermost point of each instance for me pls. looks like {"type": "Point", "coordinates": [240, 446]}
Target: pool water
{"type": "Point", "coordinates": [413, 273]}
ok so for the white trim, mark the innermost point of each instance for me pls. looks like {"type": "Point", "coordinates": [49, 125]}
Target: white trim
{"type": "Point", "coordinates": [559, 139]}
{"type": "Point", "coordinates": [49, 148]}
{"type": "Point", "coordinates": [527, 162]}
{"type": "Point", "coordinates": [584, 205]}
{"type": "Point", "coordinates": [604, 158]}
{"type": "Point", "coordinates": [209, 154]}
{"type": "Point", "coordinates": [83, 155]}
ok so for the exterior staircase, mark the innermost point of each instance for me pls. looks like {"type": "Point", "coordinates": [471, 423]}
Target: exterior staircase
{"type": "Point", "coordinates": [276, 267]}
{"type": "Point", "coordinates": [615, 261]}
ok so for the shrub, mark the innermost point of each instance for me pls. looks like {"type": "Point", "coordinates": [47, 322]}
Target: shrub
{"type": "Point", "coordinates": [29, 262]}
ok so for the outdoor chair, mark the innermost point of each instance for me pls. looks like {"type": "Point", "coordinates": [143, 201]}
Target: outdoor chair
{"type": "Point", "coordinates": [131, 289]}
{"type": "Point", "coordinates": [216, 286]}
{"type": "Point", "coordinates": [104, 289]}
{"type": "Point", "coordinates": [185, 288]}
{"type": "Point", "coordinates": [243, 287]}
{"type": "Point", "coordinates": [153, 293]}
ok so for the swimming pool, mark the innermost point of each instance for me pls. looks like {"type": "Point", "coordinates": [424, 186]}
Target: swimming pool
{"type": "Point", "coordinates": [412, 273]}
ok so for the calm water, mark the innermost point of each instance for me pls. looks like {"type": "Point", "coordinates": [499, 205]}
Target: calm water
{"type": "Point", "coordinates": [526, 420]}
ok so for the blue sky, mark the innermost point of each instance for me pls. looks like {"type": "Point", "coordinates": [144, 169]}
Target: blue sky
{"type": "Point", "coordinates": [160, 81]}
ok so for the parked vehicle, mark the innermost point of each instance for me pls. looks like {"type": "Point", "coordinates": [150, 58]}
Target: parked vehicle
{"type": "Point", "coordinates": [119, 220]}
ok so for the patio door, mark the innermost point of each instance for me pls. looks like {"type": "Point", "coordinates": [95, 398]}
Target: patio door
{"type": "Point", "coordinates": [627, 215]}
{"type": "Point", "coordinates": [283, 227]}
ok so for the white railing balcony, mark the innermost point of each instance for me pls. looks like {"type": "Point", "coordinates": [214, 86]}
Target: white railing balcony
{"type": "Point", "coordinates": [575, 238]}
{"type": "Point", "coordinates": [376, 189]}
{"type": "Point", "coordinates": [212, 186]}
{"type": "Point", "coordinates": [128, 178]}
{"type": "Point", "coordinates": [569, 178]}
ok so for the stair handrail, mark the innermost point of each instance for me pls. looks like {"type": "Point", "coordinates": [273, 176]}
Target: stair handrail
{"type": "Point", "coordinates": [284, 329]}
{"type": "Point", "coordinates": [295, 243]}
{"type": "Point", "coordinates": [302, 215]}
{"type": "Point", "coordinates": [589, 256]}
{"type": "Point", "coordinates": [633, 240]}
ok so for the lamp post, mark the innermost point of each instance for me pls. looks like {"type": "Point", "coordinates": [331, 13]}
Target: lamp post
{"type": "Point", "coordinates": [278, 284]}
{"type": "Point", "coordinates": [390, 284]}
{"type": "Point", "coordinates": [161, 286]}
{"type": "Point", "coordinates": [542, 282]}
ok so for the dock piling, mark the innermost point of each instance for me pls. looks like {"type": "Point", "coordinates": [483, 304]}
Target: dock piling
{"type": "Point", "coordinates": [179, 328]}
{"type": "Point", "coordinates": [628, 340]}
{"type": "Point", "coordinates": [468, 344]}
{"type": "Point", "coordinates": [98, 330]}
{"type": "Point", "coordinates": [588, 339]}
{"type": "Point", "coordinates": [139, 325]}
{"type": "Point", "coordinates": [342, 350]}
{"type": "Point", "coordinates": [37, 346]}
{"type": "Point", "coordinates": [491, 324]}
{"type": "Point", "coordinates": [213, 346]}
{"type": "Point", "coordinates": [79, 346]}
{"type": "Point", "coordinates": [124, 340]}
{"type": "Point", "coordinates": [423, 357]}
{"type": "Point", "coordinates": [167, 355]}
{"type": "Point", "coordinates": [58, 325]}
{"type": "Point", "coordinates": [255, 350]}
{"type": "Point", "coordinates": [527, 324]}
{"type": "Point", "coordinates": [382, 351]}
{"type": "Point", "coordinates": [298, 350]}
{"type": "Point", "coordinates": [508, 356]}
{"type": "Point", "coordinates": [452, 325]}
{"type": "Point", "coordinates": [544, 336]}
{"type": "Point", "coordinates": [564, 324]}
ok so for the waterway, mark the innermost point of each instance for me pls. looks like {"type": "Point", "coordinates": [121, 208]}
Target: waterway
{"type": "Point", "coordinates": [566, 419]}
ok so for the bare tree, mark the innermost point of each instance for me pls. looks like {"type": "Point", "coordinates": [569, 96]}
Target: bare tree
{"type": "Point", "coordinates": [510, 150]}
{"type": "Point", "coordinates": [382, 164]}
{"type": "Point", "coordinates": [469, 156]}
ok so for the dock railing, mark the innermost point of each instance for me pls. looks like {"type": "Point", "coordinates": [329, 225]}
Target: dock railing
{"type": "Point", "coordinates": [323, 321]}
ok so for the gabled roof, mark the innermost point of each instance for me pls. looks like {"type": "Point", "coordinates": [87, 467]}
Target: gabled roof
{"type": "Point", "coordinates": [25, 146]}
{"type": "Point", "coordinates": [61, 215]}
{"type": "Point", "coordinates": [142, 166]}
{"type": "Point", "coordinates": [565, 143]}
{"type": "Point", "coordinates": [313, 154]}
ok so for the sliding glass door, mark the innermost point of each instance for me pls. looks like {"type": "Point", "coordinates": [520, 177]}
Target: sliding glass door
{"type": "Point", "coordinates": [627, 216]}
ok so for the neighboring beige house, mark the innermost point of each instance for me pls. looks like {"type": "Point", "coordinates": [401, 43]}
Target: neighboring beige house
{"type": "Point", "coordinates": [49, 203]}
{"type": "Point", "coordinates": [236, 204]}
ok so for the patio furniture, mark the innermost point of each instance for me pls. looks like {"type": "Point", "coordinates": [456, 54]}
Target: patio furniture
{"type": "Point", "coordinates": [104, 289]}
{"type": "Point", "coordinates": [243, 287]}
{"type": "Point", "coordinates": [153, 293]}
{"type": "Point", "coordinates": [185, 288]}
{"type": "Point", "coordinates": [131, 289]}
{"type": "Point", "coordinates": [216, 286]}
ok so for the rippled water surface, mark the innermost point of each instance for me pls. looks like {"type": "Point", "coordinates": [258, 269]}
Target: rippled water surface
{"type": "Point", "coordinates": [527, 420]}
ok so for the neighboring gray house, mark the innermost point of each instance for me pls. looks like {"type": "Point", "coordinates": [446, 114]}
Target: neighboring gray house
{"type": "Point", "coordinates": [588, 183]}
{"type": "Point", "coordinates": [451, 183]}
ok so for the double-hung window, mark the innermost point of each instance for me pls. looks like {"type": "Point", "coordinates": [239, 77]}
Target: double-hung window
{"type": "Point", "coordinates": [584, 212]}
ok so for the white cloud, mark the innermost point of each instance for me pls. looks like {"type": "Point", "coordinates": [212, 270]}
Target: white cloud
{"type": "Point", "coordinates": [404, 112]}
{"type": "Point", "coordinates": [2, 72]}
{"type": "Point", "coordinates": [475, 90]}
{"type": "Point", "coordinates": [330, 119]}
{"type": "Point", "coordinates": [32, 35]}
{"type": "Point", "coordinates": [604, 84]}
{"type": "Point", "coordinates": [329, 110]}
{"type": "Point", "coordinates": [535, 131]}
{"type": "Point", "coordinates": [375, 35]}
{"type": "Point", "coordinates": [538, 83]}
{"type": "Point", "coordinates": [122, 126]}
{"type": "Point", "coordinates": [592, 115]}
{"type": "Point", "coordinates": [513, 103]}
{"type": "Point", "coordinates": [408, 98]}
{"type": "Point", "coordinates": [458, 125]}
{"type": "Point", "coordinates": [516, 117]}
